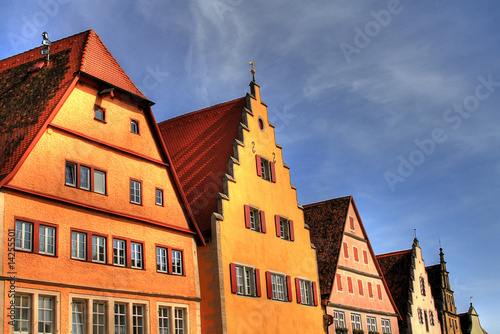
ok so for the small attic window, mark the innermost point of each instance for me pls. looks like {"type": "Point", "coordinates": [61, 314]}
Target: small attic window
{"type": "Point", "coordinates": [99, 113]}
{"type": "Point", "coordinates": [36, 68]}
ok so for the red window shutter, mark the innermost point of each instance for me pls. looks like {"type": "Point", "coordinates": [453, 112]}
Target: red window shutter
{"type": "Point", "coordinates": [370, 290]}
{"type": "Point", "coordinates": [346, 250]}
{"type": "Point", "coordinates": [356, 257]}
{"type": "Point", "coordinates": [365, 256]}
{"type": "Point", "coordinates": [297, 289]}
{"type": "Point", "coordinates": [292, 231]}
{"type": "Point", "coordinates": [360, 287]}
{"type": "Point", "coordinates": [247, 216]}
{"type": "Point", "coordinates": [289, 288]}
{"type": "Point", "coordinates": [263, 222]}
{"type": "Point", "coordinates": [234, 285]}
{"type": "Point", "coordinates": [351, 221]}
{"type": "Point", "coordinates": [315, 294]}
{"type": "Point", "coordinates": [273, 172]}
{"type": "Point", "coordinates": [277, 223]}
{"type": "Point", "coordinates": [349, 284]}
{"type": "Point", "coordinates": [379, 291]}
{"type": "Point", "coordinates": [259, 168]}
{"type": "Point", "coordinates": [257, 282]}
{"type": "Point", "coordinates": [339, 282]}
{"type": "Point", "coordinates": [269, 285]}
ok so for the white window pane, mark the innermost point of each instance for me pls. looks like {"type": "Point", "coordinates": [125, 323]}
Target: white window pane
{"type": "Point", "coordinates": [99, 182]}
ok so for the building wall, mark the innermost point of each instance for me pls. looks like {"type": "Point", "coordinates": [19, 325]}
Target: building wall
{"type": "Point", "coordinates": [38, 194]}
{"type": "Point", "coordinates": [359, 300]}
{"type": "Point", "coordinates": [264, 251]}
{"type": "Point", "coordinates": [423, 302]}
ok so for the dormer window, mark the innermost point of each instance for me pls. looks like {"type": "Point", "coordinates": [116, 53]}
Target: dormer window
{"type": "Point", "coordinates": [134, 126]}
{"type": "Point", "coordinates": [99, 113]}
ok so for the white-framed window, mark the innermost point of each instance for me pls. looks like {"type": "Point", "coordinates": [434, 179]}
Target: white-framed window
{"type": "Point", "coordinates": [119, 252]}
{"type": "Point", "coordinates": [306, 292]}
{"type": "Point", "coordinates": [70, 174]}
{"type": "Point", "coordinates": [284, 229]}
{"type": "Point", "coordinates": [162, 259]}
{"type": "Point", "coordinates": [84, 177]}
{"type": "Point", "coordinates": [78, 324]}
{"type": "Point", "coordinates": [136, 255]}
{"type": "Point", "coordinates": [45, 315]}
{"type": "Point", "coordinates": [245, 280]}
{"type": "Point", "coordinates": [134, 126]}
{"type": "Point", "coordinates": [137, 319]}
{"type": "Point", "coordinates": [356, 321]}
{"type": "Point", "coordinates": [164, 320]}
{"type": "Point", "coordinates": [78, 245]}
{"type": "Point", "coordinates": [159, 197]}
{"type": "Point", "coordinates": [99, 181]}
{"type": "Point", "coordinates": [47, 240]}
{"type": "Point", "coordinates": [173, 318]}
{"type": "Point", "coordinates": [371, 324]}
{"type": "Point", "coordinates": [279, 287]}
{"type": "Point", "coordinates": [386, 326]}
{"type": "Point", "coordinates": [120, 318]}
{"type": "Point", "coordinates": [339, 319]}
{"type": "Point", "coordinates": [265, 169]}
{"type": "Point", "coordinates": [254, 219]}
{"type": "Point", "coordinates": [99, 317]}
{"type": "Point", "coordinates": [22, 315]}
{"type": "Point", "coordinates": [99, 249]}
{"type": "Point", "coordinates": [99, 113]}
{"type": "Point", "coordinates": [135, 192]}
{"type": "Point", "coordinates": [24, 235]}
{"type": "Point", "coordinates": [177, 267]}
{"type": "Point", "coordinates": [180, 326]}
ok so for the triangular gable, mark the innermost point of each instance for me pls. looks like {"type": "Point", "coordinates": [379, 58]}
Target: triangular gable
{"type": "Point", "coordinates": [200, 144]}
{"type": "Point", "coordinates": [328, 221]}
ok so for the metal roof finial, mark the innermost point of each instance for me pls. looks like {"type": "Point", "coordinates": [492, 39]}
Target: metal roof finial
{"type": "Point", "coordinates": [252, 64]}
{"type": "Point", "coordinates": [46, 42]}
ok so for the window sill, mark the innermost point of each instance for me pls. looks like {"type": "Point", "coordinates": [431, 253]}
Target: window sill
{"type": "Point", "coordinates": [170, 274]}
{"type": "Point", "coordinates": [139, 204]}
{"type": "Point", "coordinates": [100, 120]}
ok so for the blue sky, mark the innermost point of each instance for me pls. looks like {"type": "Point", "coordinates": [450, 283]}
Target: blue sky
{"type": "Point", "coordinates": [393, 102]}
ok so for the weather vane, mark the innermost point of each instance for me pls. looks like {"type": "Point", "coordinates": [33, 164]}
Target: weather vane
{"type": "Point", "coordinates": [252, 64]}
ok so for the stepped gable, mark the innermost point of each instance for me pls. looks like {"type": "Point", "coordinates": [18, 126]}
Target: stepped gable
{"type": "Point", "coordinates": [31, 89]}
{"type": "Point", "coordinates": [396, 268]}
{"type": "Point", "coordinates": [200, 145]}
{"type": "Point", "coordinates": [327, 221]}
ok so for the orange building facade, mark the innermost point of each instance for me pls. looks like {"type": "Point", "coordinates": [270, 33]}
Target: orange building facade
{"type": "Point", "coordinates": [97, 237]}
{"type": "Point", "coordinates": [258, 271]}
{"type": "Point", "coordinates": [353, 289]}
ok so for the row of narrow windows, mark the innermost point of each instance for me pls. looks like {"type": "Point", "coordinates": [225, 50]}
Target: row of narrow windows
{"type": "Point", "coordinates": [41, 238]}
{"type": "Point", "coordinates": [339, 318]}
{"type": "Point", "coordinates": [360, 286]}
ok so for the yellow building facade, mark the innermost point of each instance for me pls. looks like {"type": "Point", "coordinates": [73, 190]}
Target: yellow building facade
{"type": "Point", "coordinates": [258, 271]}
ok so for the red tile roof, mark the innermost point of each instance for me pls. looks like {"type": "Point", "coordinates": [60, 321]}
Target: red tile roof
{"type": "Point", "coordinates": [327, 222]}
{"type": "Point", "coordinates": [397, 270]}
{"type": "Point", "coordinates": [29, 92]}
{"type": "Point", "coordinates": [200, 144]}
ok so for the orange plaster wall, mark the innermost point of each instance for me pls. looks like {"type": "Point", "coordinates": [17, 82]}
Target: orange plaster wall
{"type": "Point", "coordinates": [78, 114]}
{"type": "Point", "coordinates": [44, 171]}
{"type": "Point", "coordinates": [63, 269]}
{"type": "Point", "coordinates": [265, 251]}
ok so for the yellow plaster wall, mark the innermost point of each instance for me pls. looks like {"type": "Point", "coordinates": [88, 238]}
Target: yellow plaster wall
{"type": "Point", "coordinates": [265, 251]}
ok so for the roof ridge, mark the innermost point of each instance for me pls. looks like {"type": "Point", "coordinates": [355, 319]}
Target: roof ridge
{"type": "Point", "coordinates": [327, 201]}
{"type": "Point", "coordinates": [85, 50]}
{"type": "Point", "coordinates": [393, 253]}
{"type": "Point", "coordinates": [201, 111]}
